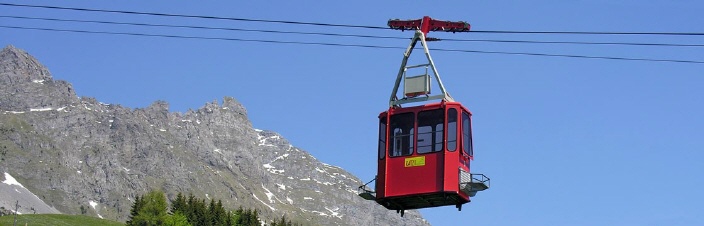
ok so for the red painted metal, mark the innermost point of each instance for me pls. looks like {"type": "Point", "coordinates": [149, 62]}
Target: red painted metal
{"type": "Point", "coordinates": [404, 24]}
{"type": "Point", "coordinates": [425, 25]}
{"type": "Point", "coordinates": [428, 24]}
{"type": "Point", "coordinates": [436, 183]}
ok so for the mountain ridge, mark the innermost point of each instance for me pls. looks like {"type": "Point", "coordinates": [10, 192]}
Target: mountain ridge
{"type": "Point", "coordinates": [75, 152]}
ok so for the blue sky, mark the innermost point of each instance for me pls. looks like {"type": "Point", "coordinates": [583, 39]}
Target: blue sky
{"type": "Point", "coordinates": [566, 141]}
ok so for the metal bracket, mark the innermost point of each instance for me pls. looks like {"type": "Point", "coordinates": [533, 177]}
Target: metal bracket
{"type": "Point", "coordinates": [471, 183]}
{"type": "Point", "coordinates": [394, 101]}
{"type": "Point", "coordinates": [365, 193]}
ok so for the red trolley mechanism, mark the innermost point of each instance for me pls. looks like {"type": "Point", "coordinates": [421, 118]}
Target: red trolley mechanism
{"type": "Point", "coordinates": [425, 150]}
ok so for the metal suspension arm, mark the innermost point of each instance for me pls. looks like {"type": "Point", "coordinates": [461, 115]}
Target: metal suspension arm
{"type": "Point", "coordinates": [393, 100]}
{"type": "Point", "coordinates": [422, 27]}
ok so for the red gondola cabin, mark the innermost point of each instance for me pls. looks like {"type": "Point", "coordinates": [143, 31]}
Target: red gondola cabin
{"type": "Point", "coordinates": [424, 151]}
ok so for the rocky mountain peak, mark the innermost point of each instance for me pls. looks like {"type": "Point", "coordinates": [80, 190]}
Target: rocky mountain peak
{"type": "Point", "coordinates": [234, 105]}
{"type": "Point", "coordinates": [27, 84]}
{"type": "Point", "coordinates": [158, 110]}
{"type": "Point", "coordinates": [17, 66]}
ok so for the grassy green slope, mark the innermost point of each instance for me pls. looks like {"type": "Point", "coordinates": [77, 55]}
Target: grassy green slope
{"type": "Point", "coordinates": [56, 220]}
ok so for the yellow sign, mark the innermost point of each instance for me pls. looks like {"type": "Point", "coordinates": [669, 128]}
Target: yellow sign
{"type": "Point", "coordinates": [415, 161]}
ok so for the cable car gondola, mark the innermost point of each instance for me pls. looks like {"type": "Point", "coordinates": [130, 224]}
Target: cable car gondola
{"type": "Point", "coordinates": [424, 151]}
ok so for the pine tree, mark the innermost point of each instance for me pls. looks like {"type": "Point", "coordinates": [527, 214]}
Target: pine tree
{"type": "Point", "coordinates": [201, 212]}
{"type": "Point", "coordinates": [152, 211]}
{"type": "Point", "coordinates": [191, 210]}
{"type": "Point", "coordinates": [237, 216]}
{"type": "Point", "coordinates": [179, 205]}
{"type": "Point", "coordinates": [219, 214]}
{"type": "Point", "coordinates": [254, 218]}
{"type": "Point", "coordinates": [244, 217]}
{"type": "Point", "coordinates": [136, 207]}
{"type": "Point", "coordinates": [177, 219]}
{"type": "Point", "coordinates": [210, 216]}
{"type": "Point", "coordinates": [229, 218]}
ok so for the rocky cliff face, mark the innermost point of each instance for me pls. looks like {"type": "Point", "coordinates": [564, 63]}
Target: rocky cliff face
{"type": "Point", "coordinates": [73, 152]}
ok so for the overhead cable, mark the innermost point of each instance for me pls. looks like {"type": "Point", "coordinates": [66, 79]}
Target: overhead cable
{"type": "Point", "coordinates": [191, 16]}
{"type": "Point", "coordinates": [577, 43]}
{"type": "Point", "coordinates": [345, 25]}
{"type": "Point", "coordinates": [348, 35]}
{"type": "Point", "coordinates": [351, 45]}
{"type": "Point", "coordinates": [200, 27]}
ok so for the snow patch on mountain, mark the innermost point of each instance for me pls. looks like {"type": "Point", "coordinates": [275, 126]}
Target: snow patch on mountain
{"type": "Point", "coordinates": [272, 169]}
{"type": "Point", "coordinates": [334, 212]}
{"type": "Point", "coordinates": [93, 204]}
{"type": "Point", "coordinates": [9, 180]}
{"type": "Point", "coordinates": [41, 109]}
{"type": "Point", "coordinates": [263, 140]}
{"type": "Point", "coordinates": [267, 205]}
{"type": "Point", "coordinates": [269, 194]}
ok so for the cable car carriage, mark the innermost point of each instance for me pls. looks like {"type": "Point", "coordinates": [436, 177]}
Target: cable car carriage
{"type": "Point", "coordinates": [424, 151]}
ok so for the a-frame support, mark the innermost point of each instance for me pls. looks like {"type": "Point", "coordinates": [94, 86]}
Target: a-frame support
{"type": "Point", "coordinates": [394, 101]}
